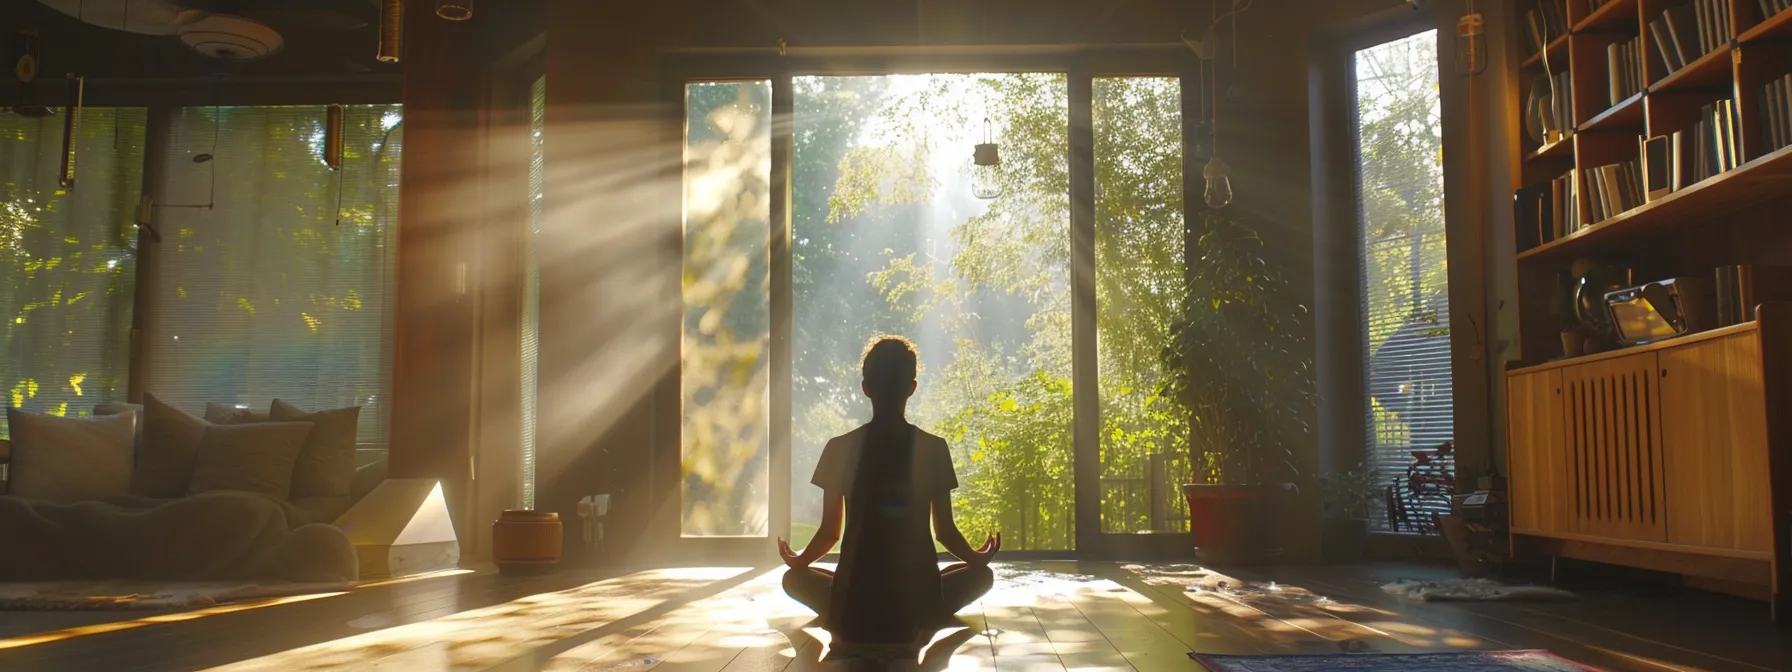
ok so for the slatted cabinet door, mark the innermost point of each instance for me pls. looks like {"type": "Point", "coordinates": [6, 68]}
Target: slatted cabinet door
{"type": "Point", "coordinates": [1538, 456]}
{"type": "Point", "coordinates": [1714, 439]}
{"type": "Point", "coordinates": [1614, 449]}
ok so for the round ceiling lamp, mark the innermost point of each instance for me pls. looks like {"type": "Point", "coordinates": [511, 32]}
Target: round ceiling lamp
{"type": "Point", "coordinates": [454, 10]}
{"type": "Point", "coordinates": [232, 38]}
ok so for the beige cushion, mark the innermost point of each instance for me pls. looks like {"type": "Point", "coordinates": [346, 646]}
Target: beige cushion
{"type": "Point", "coordinates": [117, 407]}
{"type": "Point", "coordinates": [68, 460]}
{"type": "Point", "coordinates": [256, 457]}
{"type": "Point", "coordinates": [325, 471]}
{"type": "Point", "coordinates": [168, 452]}
{"type": "Point", "coordinates": [226, 414]}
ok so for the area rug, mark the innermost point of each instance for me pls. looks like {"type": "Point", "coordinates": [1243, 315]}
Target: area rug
{"type": "Point", "coordinates": [94, 595]}
{"type": "Point", "coordinates": [1463, 661]}
{"type": "Point", "coordinates": [1472, 590]}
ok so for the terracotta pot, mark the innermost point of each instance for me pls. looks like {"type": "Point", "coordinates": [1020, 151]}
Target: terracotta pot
{"type": "Point", "coordinates": [524, 540]}
{"type": "Point", "coordinates": [1237, 524]}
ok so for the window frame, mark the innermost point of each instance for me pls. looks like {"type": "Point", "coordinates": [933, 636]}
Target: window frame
{"type": "Point", "coordinates": [1082, 66]}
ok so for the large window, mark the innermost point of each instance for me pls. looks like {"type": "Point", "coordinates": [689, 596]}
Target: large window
{"type": "Point", "coordinates": [726, 365]}
{"type": "Point", "coordinates": [889, 238]}
{"type": "Point", "coordinates": [275, 270]}
{"type": "Point", "coordinates": [1405, 286]}
{"type": "Point", "coordinates": [68, 258]}
{"type": "Point", "coordinates": [1140, 284]}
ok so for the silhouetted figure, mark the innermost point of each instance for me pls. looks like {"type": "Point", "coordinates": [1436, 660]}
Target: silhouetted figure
{"type": "Point", "coordinates": [890, 484]}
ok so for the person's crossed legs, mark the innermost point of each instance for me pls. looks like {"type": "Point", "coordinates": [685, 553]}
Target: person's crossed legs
{"type": "Point", "coordinates": [960, 585]}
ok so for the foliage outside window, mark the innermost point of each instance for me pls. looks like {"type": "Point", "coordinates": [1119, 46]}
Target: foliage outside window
{"type": "Point", "coordinates": [68, 256]}
{"type": "Point", "coordinates": [1404, 263]}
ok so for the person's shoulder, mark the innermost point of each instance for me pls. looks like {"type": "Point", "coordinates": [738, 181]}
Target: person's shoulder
{"type": "Point", "coordinates": [926, 439]}
{"type": "Point", "coordinates": [849, 440]}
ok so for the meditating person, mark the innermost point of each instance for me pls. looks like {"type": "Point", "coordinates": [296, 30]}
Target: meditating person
{"type": "Point", "coordinates": [887, 481]}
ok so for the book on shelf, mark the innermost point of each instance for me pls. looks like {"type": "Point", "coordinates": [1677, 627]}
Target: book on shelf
{"type": "Point", "coordinates": [1545, 23]}
{"type": "Point", "coordinates": [1743, 287]}
{"type": "Point", "coordinates": [1709, 147]}
{"type": "Point", "coordinates": [1615, 188]}
{"type": "Point", "coordinates": [1769, 8]}
{"type": "Point", "coordinates": [1658, 166]}
{"type": "Point", "coordinates": [1776, 113]}
{"type": "Point", "coordinates": [1548, 211]}
{"type": "Point", "coordinates": [1624, 71]}
{"type": "Point", "coordinates": [1664, 45]}
{"type": "Point", "coordinates": [1682, 34]}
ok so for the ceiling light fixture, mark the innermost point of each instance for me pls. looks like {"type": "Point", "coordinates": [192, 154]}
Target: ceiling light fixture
{"type": "Point", "coordinates": [391, 43]}
{"type": "Point", "coordinates": [454, 10]}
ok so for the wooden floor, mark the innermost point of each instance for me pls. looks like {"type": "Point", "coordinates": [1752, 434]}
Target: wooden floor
{"type": "Point", "coordinates": [1041, 616]}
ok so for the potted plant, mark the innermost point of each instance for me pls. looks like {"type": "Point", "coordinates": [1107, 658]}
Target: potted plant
{"type": "Point", "coordinates": [1239, 360]}
{"type": "Point", "coordinates": [1346, 497]}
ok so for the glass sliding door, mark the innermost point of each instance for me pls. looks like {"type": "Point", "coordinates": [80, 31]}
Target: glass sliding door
{"type": "Point", "coordinates": [889, 238]}
{"type": "Point", "coordinates": [1140, 284]}
{"type": "Point", "coordinates": [1404, 283]}
{"type": "Point", "coordinates": [725, 368]}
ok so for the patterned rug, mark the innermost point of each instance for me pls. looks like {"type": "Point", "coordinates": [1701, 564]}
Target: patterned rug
{"type": "Point", "coordinates": [91, 595]}
{"type": "Point", "coordinates": [1464, 661]}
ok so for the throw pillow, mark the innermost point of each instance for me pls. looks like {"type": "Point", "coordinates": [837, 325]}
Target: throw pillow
{"type": "Point", "coordinates": [255, 457]}
{"type": "Point", "coordinates": [68, 460]}
{"type": "Point", "coordinates": [117, 407]}
{"type": "Point", "coordinates": [326, 465]}
{"type": "Point", "coordinates": [168, 452]}
{"type": "Point", "coordinates": [226, 414]}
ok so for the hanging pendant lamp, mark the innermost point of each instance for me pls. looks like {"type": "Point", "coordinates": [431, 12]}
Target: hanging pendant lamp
{"type": "Point", "coordinates": [71, 127]}
{"type": "Point", "coordinates": [986, 166]}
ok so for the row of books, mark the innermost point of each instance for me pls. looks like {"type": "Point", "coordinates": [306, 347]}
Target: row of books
{"type": "Point", "coordinates": [1742, 287]}
{"type": "Point", "coordinates": [1614, 188]}
{"type": "Point", "coordinates": [1548, 211]}
{"type": "Point", "coordinates": [1771, 7]}
{"type": "Point", "coordinates": [1712, 19]}
{"type": "Point", "coordinates": [1709, 148]}
{"type": "Point", "coordinates": [1679, 37]}
{"type": "Point", "coordinates": [1543, 24]}
{"type": "Point", "coordinates": [1624, 69]}
{"type": "Point", "coordinates": [1776, 112]}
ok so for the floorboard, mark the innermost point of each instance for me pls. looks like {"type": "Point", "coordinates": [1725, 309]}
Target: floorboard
{"type": "Point", "coordinates": [1044, 616]}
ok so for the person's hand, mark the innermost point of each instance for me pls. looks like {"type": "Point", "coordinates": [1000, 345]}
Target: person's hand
{"type": "Point", "coordinates": [792, 558]}
{"type": "Point", "coordinates": [988, 551]}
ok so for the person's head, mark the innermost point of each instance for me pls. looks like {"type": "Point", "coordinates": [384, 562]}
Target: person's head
{"type": "Point", "coordinates": [889, 370]}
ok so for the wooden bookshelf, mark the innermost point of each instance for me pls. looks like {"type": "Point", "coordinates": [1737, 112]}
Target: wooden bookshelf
{"type": "Point", "coordinates": [1728, 205]}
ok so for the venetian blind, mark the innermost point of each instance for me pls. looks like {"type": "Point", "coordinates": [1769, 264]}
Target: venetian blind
{"type": "Point", "coordinates": [538, 108]}
{"type": "Point", "coordinates": [68, 259]}
{"type": "Point", "coordinates": [280, 288]}
{"type": "Point", "coordinates": [1404, 278]}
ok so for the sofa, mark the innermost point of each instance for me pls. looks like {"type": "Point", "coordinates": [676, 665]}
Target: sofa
{"type": "Point", "coordinates": [152, 492]}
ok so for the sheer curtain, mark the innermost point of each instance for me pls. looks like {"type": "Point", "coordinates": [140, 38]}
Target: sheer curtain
{"type": "Point", "coordinates": [278, 289]}
{"type": "Point", "coordinates": [68, 259]}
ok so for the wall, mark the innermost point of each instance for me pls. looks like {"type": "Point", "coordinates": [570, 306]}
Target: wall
{"type": "Point", "coordinates": [609, 340]}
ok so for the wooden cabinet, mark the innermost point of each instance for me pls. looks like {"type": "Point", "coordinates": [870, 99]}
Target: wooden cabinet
{"type": "Point", "coordinates": [1714, 432]}
{"type": "Point", "coordinates": [1658, 456]}
{"type": "Point", "coordinates": [1538, 475]}
{"type": "Point", "coordinates": [1613, 448]}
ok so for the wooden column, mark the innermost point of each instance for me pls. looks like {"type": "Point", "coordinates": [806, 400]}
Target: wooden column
{"type": "Point", "coordinates": [436, 311]}
{"type": "Point", "coordinates": [610, 252]}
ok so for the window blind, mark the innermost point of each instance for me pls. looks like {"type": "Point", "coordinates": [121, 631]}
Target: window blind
{"type": "Point", "coordinates": [1404, 281]}
{"type": "Point", "coordinates": [280, 288]}
{"type": "Point", "coordinates": [531, 350]}
{"type": "Point", "coordinates": [68, 259]}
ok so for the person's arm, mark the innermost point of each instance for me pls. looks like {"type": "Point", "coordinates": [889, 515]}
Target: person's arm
{"type": "Point", "coordinates": [945, 529]}
{"type": "Point", "coordinates": [833, 513]}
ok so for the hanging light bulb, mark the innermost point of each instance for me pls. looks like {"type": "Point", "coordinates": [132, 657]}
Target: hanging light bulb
{"type": "Point", "coordinates": [391, 35]}
{"type": "Point", "coordinates": [1219, 183]}
{"type": "Point", "coordinates": [986, 167]}
{"type": "Point", "coordinates": [333, 137]}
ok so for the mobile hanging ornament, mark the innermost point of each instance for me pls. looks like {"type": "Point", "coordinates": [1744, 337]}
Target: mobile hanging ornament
{"type": "Point", "coordinates": [24, 56]}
